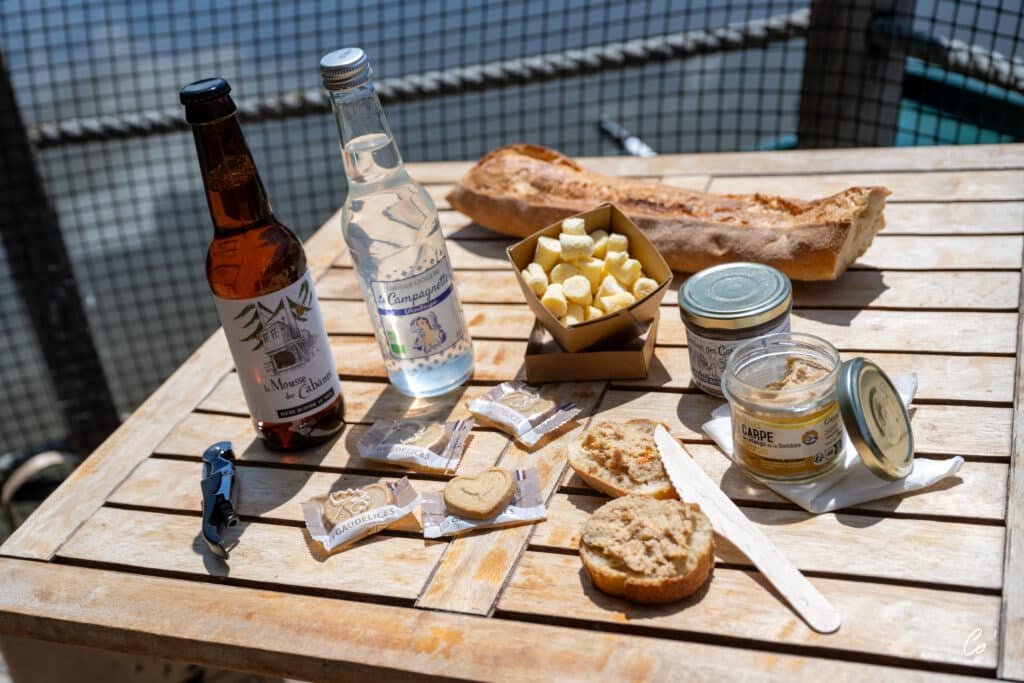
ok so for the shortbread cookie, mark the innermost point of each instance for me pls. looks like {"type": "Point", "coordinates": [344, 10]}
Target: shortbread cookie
{"type": "Point", "coordinates": [341, 505]}
{"type": "Point", "coordinates": [647, 550]}
{"type": "Point", "coordinates": [481, 496]}
{"type": "Point", "coordinates": [621, 458]}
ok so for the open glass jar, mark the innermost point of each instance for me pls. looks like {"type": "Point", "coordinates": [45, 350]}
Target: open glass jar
{"type": "Point", "coordinates": [790, 399]}
{"type": "Point", "coordinates": [782, 391]}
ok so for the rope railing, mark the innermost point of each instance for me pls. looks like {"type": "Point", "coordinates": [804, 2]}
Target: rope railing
{"type": "Point", "coordinates": [455, 81]}
{"type": "Point", "coordinates": [888, 33]}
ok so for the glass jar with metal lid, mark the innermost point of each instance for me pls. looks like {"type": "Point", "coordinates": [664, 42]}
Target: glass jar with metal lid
{"type": "Point", "coordinates": [790, 398]}
{"type": "Point", "coordinates": [725, 306]}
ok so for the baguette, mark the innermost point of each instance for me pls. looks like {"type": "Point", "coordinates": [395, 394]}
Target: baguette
{"type": "Point", "coordinates": [620, 459]}
{"type": "Point", "coordinates": [519, 189]}
{"type": "Point", "coordinates": [646, 550]}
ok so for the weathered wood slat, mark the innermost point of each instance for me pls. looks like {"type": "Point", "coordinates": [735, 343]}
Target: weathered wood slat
{"type": "Point", "coordinates": [958, 554]}
{"type": "Point", "coordinates": [493, 360]}
{"type": "Point", "coordinates": [784, 162]}
{"type": "Point", "coordinates": [490, 558]}
{"type": "Point", "coordinates": [982, 432]}
{"type": "Point", "coordinates": [268, 553]}
{"type": "Point", "coordinates": [966, 555]}
{"type": "Point", "coordinates": [255, 630]}
{"type": "Point", "coordinates": [908, 218]}
{"type": "Point", "coordinates": [267, 493]}
{"type": "Point", "coordinates": [915, 252]}
{"type": "Point", "coordinates": [1011, 635]}
{"type": "Point", "coordinates": [197, 431]}
{"type": "Point", "coordinates": [870, 330]}
{"type": "Point", "coordinates": [365, 402]}
{"type": "Point", "coordinates": [912, 186]}
{"type": "Point", "coordinates": [922, 252]}
{"type": "Point", "coordinates": [941, 378]}
{"type": "Point", "coordinates": [947, 430]}
{"type": "Point", "coordinates": [926, 218]}
{"type": "Point", "coordinates": [972, 290]}
{"type": "Point", "coordinates": [966, 496]}
{"type": "Point", "coordinates": [878, 619]}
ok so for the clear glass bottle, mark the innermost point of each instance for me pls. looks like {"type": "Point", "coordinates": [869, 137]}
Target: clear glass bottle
{"type": "Point", "coordinates": [391, 228]}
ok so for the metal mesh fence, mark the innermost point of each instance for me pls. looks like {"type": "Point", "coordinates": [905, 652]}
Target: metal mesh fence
{"type": "Point", "coordinates": [132, 212]}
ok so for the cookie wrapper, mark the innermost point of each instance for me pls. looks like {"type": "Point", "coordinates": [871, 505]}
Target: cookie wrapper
{"type": "Point", "coordinates": [348, 531]}
{"type": "Point", "coordinates": [376, 444]}
{"type": "Point", "coordinates": [528, 424]}
{"type": "Point", "coordinates": [527, 507]}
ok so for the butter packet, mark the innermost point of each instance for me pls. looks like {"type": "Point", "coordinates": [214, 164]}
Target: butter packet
{"type": "Point", "coordinates": [493, 498]}
{"type": "Point", "coordinates": [423, 446]}
{"type": "Point", "coordinates": [345, 516]}
{"type": "Point", "coordinates": [521, 410]}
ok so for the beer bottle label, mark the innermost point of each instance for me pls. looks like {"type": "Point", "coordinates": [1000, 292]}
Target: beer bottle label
{"type": "Point", "coordinates": [281, 352]}
{"type": "Point", "coordinates": [420, 315]}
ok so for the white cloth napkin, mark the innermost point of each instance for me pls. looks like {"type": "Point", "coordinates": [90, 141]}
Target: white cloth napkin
{"type": "Point", "coordinates": [851, 482]}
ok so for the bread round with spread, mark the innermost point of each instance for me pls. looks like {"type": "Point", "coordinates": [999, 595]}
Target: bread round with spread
{"type": "Point", "coordinates": [620, 458]}
{"type": "Point", "coordinates": [647, 550]}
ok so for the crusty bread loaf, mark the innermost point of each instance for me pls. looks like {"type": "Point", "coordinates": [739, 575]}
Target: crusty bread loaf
{"type": "Point", "coordinates": [621, 458]}
{"type": "Point", "coordinates": [647, 550]}
{"type": "Point", "coordinates": [519, 189]}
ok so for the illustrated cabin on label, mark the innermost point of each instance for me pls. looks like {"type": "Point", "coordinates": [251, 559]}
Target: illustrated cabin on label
{"type": "Point", "coordinates": [287, 345]}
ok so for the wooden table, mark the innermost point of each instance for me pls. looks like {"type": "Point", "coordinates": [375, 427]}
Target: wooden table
{"type": "Point", "coordinates": [927, 583]}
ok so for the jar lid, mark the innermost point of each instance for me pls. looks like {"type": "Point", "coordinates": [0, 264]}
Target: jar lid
{"type": "Point", "coordinates": [876, 419]}
{"type": "Point", "coordinates": [735, 296]}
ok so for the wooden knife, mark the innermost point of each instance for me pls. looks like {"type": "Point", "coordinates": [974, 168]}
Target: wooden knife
{"type": "Point", "coordinates": [694, 486]}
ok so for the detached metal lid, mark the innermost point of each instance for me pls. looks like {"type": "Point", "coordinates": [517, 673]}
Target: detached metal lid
{"type": "Point", "coordinates": [876, 419]}
{"type": "Point", "coordinates": [735, 296]}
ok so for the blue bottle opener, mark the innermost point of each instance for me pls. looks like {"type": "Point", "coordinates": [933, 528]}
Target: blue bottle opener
{"type": "Point", "coordinates": [218, 509]}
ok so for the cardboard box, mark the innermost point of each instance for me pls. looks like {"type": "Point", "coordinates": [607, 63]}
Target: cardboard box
{"type": "Point", "coordinates": [619, 327]}
{"type": "Point", "coordinates": [546, 361]}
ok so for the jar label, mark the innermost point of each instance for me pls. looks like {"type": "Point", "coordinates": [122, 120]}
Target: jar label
{"type": "Point", "coordinates": [788, 447]}
{"type": "Point", "coordinates": [709, 356]}
{"type": "Point", "coordinates": [419, 315]}
{"type": "Point", "coordinates": [280, 348]}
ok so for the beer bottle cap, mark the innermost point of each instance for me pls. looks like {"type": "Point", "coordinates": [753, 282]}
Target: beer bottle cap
{"type": "Point", "coordinates": [345, 68]}
{"type": "Point", "coordinates": [207, 100]}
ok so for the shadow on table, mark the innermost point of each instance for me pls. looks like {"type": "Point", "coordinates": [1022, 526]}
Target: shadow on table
{"type": "Point", "coordinates": [854, 289]}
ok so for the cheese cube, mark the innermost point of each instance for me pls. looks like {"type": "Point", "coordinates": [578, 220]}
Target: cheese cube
{"type": "Point", "coordinates": [562, 272]}
{"type": "Point", "coordinates": [574, 314]}
{"type": "Point", "coordinates": [577, 290]}
{"type": "Point", "coordinates": [625, 271]}
{"type": "Point", "coordinates": [593, 270]}
{"type": "Point", "coordinates": [548, 252]}
{"type": "Point", "coordinates": [594, 312]}
{"type": "Point", "coordinates": [618, 242]}
{"type": "Point", "coordinates": [615, 302]}
{"type": "Point", "coordinates": [600, 238]}
{"type": "Point", "coordinates": [554, 300]}
{"type": "Point", "coordinates": [535, 278]}
{"type": "Point", "coordinates": [574, 226]}
{"type": "Point", "coordinates": [644, 286]}
{"type": "Point", "coordinates": [576, 246]}
{"type": "Point", "coordinates": [608, 287]}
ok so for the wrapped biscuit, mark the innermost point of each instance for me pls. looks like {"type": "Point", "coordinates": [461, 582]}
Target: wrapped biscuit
{"type": "Point", "coordinates": [431, 447]}
{"type": "Point", "coordinates": [345, 516]}
{"type": "Point", "coordinates": [520, 410]}
{"type": "Point", "coordinates": [495, 497]}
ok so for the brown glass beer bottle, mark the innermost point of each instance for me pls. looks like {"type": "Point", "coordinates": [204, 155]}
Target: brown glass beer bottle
{"type": "Point", "coordinates": [263, 291]}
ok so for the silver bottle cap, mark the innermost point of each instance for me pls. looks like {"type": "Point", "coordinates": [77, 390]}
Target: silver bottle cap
{"type": "Point", "coordinates": [345, 68]}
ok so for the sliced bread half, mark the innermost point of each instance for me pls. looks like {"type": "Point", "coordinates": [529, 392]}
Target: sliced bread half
{"type": "Point", "coordinates": [620, 458]}
{"type": "Point", "coordinates": [647, 550]}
